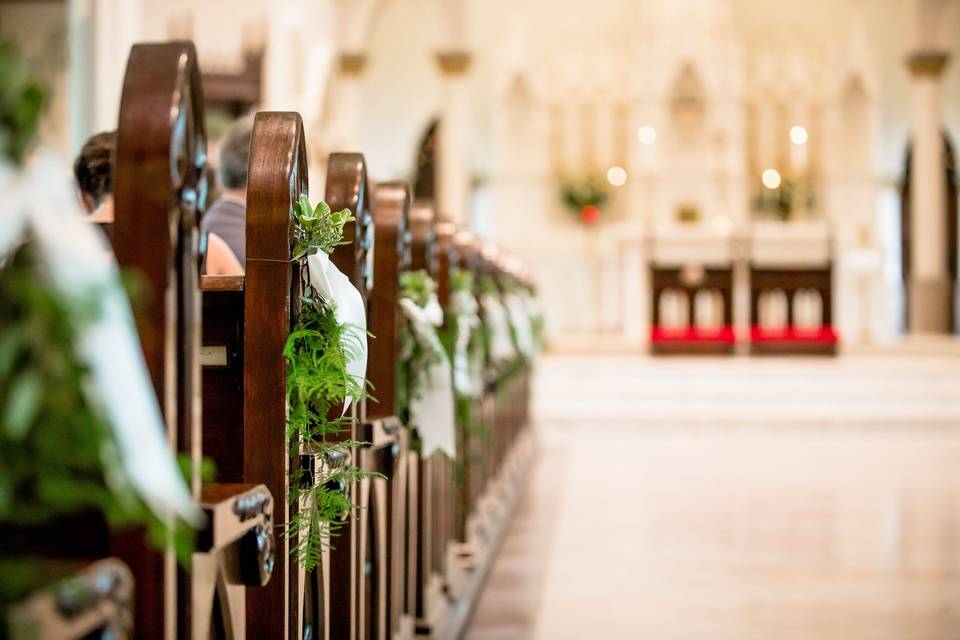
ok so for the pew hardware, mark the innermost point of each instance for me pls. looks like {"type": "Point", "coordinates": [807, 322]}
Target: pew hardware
{"type": "Point", "coordinates": [250, 506]}
{"type": "Point", "coordinates": [256, 556]}
{"type": "Point", "coordinates": [82, 593]}
{"type": "Point", "coordinates": [335, 458]}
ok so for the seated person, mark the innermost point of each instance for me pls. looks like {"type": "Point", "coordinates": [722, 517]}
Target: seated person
{"type": "Point", "coordinates": [227, 216]}
{"type": "Point", "coordinates": [93, 171]}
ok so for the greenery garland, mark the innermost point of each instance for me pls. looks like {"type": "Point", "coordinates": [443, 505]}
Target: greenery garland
{"type": "Point", "coordinates": [22, 100]}
{"type": "Point", "coordinates": [316, 353]}
{"type": "Point", "coordinates": [58, 454]}
{"type": "Point", "coordinates": [416, 358]}
{"type": "Point", "coordinates": [462, 281]}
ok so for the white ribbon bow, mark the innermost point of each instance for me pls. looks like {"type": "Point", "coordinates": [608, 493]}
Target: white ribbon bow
{"type": "Point", "coordinates": [334, 287]}
{"type": "Point", "coordinates": [432, 409]}
{"type": "Point", "coordinates": [40, 200]}
{"type": "Point", "coordinates": [520, 319]}
{"type": "Point", "coordinates": [501, 345]}
{"type": "Point", "coordinates": [467, 368]}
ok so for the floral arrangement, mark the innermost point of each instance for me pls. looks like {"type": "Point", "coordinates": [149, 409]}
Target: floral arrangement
{"type": "Point", "coordinates": [782, 203]}
{"type": "Point", "coordinates": [585, 197]}
{"type": "Point", "coordinates": [68, 441]}
{"type": "Point", "coordinates": [424, 377]}
{"type": "Point", "coordinates": [415, 355]}
{"type": "Point", "coordinates": [318, 352]}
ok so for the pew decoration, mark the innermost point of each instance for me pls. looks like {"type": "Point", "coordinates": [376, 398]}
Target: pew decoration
{"type": "Point", "coordinates": [282, 405]}
{"type": "Point", "coordinates": [462, 335]}
{"type": "Point", "coordinates": [520, 320]}
{"type": "Point", "coordinates": [498, 334]}
{"type": "Point", "coordinates": [326, 367]}
{"type": "Point", "coordinates": [81, 425]}
{"type": "Point", "coordinates": [425, 391]}
{"type": "Point", "coordinates": [22, 100]}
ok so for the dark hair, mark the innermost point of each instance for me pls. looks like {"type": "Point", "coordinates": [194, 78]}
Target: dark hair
{"type": "Point", "coordinates": [235, 154]}
{"type": "Point", "coordinates": [93, 168]}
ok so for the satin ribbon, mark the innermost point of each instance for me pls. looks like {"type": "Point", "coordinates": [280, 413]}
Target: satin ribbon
{"type": "Point", "coordinates": [520, 319]}
{"type": "Point", "coordinates": [335, 288]}
{"type": "Point", "coordinates": [432, 408]}
{"type": "Point", "coordinates": [40, 201]}
{"type": "Point", "coordinates": [501, 345]}
{"type": "Point", "coordinates": [467, 367]}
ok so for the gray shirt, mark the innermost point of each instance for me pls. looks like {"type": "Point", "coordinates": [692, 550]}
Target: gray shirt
{"type": "Point", "coordinates": [227, 217]}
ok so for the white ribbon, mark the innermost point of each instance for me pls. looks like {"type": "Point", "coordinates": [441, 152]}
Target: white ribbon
{"type": "Point", "coordinates": [432, 408]}
{"type": "Point", "coordinates": [334, 287]}
{"type": "Point", "coordinates": [467, 368]}
{"type": "Point", "coordinates": [520, 319]}
{"type": "Point", "coordinates": [40, 200]}
{"type": "Point", "coordinates": [501, 345]}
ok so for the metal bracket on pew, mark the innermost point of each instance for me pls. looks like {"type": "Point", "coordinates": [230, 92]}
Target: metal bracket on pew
{"type": "Point", "coordinates": [235, 551]}
{"type": "Point", "coordinates": [98, 598]}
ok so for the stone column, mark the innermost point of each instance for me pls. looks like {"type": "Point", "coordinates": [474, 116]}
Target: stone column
{"type": "Point", "coordinates": [453, 181]}
{"type": "Point", "coordinates": [930, 292]}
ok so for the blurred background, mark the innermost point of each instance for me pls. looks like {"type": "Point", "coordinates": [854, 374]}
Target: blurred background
{"type": "Point", "coordinates": [715, 179]}
{"type": "Point", "coordinates": [672, 111]}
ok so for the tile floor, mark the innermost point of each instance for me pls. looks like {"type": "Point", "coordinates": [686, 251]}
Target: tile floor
{"type": "Point", "coordinates": [737, 499]}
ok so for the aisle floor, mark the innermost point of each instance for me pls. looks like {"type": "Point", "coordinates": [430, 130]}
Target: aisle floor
{"type": "Point", "coordinates": [737, 499]}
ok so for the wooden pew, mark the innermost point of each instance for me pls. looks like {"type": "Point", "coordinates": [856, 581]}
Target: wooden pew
{"type": "Point", "coordinates": [366, 592]}
{"type": "Point", "coordinates": [245, 326]}
{"type": "Point", "coordinates": [431, 605]}
{"type": "Point", "coordinates": [472, 441]}
{"type": "Point", "coordinates": [391, 208]}
{"type": "Point", "coordinates": [156, 234]}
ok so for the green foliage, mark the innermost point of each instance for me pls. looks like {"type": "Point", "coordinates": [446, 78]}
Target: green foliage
{"type": "Point", "coordinates": [488, 285]}
{"type": "Point", "coordinates": [416, 357]}
{"type": "Point", "coordinates": [781, 203]}
{"type": "Point", "coordinates": [317, 229]}
{"type": "Point", "coordinates": [577, 194]}
{"type": "Point", "coordinates": [461, 280]}
{"type": "Point", "coordinates": [317, 352]}
{"type": "Point", "coordinates": [418, 286]}
{"type": "Point", "coordinates": [22, 99]}
{"type": "Point", "coordinates": [58, 455]}
{"type": "Point", "coordinates": [468, 428]}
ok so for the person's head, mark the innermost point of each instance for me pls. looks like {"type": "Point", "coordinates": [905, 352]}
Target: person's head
{"type": "Point", "coordinates": [235, 155]}
{"type": "Point", "coordinates": [93, 170]}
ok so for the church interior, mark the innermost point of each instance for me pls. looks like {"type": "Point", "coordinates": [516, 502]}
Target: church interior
{"type": "Point", "coordinates": [479, 319]}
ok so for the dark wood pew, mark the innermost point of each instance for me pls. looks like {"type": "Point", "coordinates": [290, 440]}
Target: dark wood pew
{"type": "Point", "coordinates": [366, 560]}
{"type": "Point", "coordinates": [391, 210]}
{"type": "Point", "coordinates": [432, 607]}
{"type": "Point", "coordinates": [472, 439]}
{"type": "Point", "coordinates": [245, 326]}
{"type": "Point", "coordinates": [156, 234]}
{"type": "Point", "coordinates": [453, 559]}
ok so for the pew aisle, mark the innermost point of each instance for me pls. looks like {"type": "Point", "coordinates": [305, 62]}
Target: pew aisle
{"type": "Point", "coordinates": [742, 499]}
